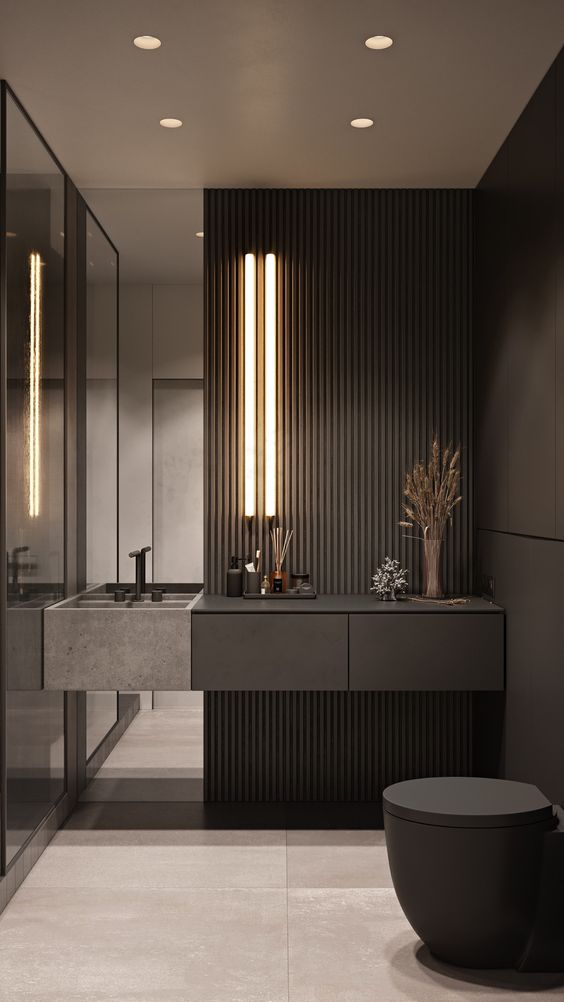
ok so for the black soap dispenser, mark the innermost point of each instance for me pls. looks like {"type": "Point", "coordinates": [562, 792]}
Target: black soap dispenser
{"type": "Point", "coordinates": [235, 578]}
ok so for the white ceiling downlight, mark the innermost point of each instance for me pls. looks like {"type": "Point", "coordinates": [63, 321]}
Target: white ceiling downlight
{"type": "Point", "coordinates": [147, 42]}
{"type": "Point", "coordinates": [200, 234]}
{"type": "Point", "coordinates": [170, 123]}
{"type": "Point", "coordinates": [379, 42]}
{"type": "Point", "coordinates": [361, 123]}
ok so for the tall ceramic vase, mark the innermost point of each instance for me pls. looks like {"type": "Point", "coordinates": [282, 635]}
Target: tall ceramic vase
{"type": "Point", "coordinates": [433, 568]}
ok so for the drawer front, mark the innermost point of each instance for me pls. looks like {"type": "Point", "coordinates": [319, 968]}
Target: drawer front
{"type": "Point", "coordinates": [269, 651]}
{"type": "Point", "coordinates": [427, 651]}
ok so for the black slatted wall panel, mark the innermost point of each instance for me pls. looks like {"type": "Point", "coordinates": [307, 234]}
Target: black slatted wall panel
{"type": "Point", "coordinates": [374, 356]}
{"type": "Point", "coordinates": [331, 746]}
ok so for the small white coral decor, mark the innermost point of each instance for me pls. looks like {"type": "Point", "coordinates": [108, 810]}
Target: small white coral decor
{"type": "Point", "coordinates": [389, 581]}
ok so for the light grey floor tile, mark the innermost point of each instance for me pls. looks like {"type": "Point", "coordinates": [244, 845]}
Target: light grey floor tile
{"type": "Point", "coordinates": [356, 946]}
{"type": "Point", "coordinates": [236, 860]}
{"type": "Point", "coordinates": [215, 946]}
{"type": "Point", "coordinates": [191, 836]}
{"type": "Point", "coordinates": [337, 859]}
{"type": "Point", "coordinates": [74, 995]}
{"type": "Point", "coordinates": [159, 758]}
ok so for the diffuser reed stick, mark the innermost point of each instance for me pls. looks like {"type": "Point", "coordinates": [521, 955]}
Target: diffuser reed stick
{"type": "Point", "coordinates": [280, 544]}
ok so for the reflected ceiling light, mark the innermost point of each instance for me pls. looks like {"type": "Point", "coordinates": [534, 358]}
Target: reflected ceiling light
{"type": "Point", "coordinates": [200, 234]}
{"type": "Point", "coordinates": [147, 42]}
{"type": "Point", "coordinates": [35, 305]}
{"type": "Point", "coordinates": [10, 234]}
{"type": "Point", "coordinates": [361, 123]}
{"type": "Point", "coordinates": [250, 385]}
{"type": "Point", "coordinates": [270, 384]}
{"type": "Point", "coordinates": [170, 123]}
{"type": "Point", "coordinates": [379, 42]}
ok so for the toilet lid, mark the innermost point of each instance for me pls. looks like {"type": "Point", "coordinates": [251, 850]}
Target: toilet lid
{"type": "Point", "coordinates": [467, 802]}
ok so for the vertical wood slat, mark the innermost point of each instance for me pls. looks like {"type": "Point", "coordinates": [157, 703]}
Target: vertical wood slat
{"type": "Point", "coordinates": [331, 746]}
{"type": "Point", "coordinates": [375, 356]}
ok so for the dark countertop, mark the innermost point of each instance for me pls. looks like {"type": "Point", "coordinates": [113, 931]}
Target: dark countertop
{"type": "Point", "coordinates": [335, 604]}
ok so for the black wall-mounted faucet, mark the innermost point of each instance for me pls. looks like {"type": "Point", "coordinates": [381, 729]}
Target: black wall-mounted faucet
{"type": "Point", "coordinates": [140, 571]}
{"type": "Point", "coordinates": [15, 566]}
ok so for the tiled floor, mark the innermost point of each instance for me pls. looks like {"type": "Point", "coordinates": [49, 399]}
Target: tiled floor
{"type": "Point", "coordinates": [218, 914]}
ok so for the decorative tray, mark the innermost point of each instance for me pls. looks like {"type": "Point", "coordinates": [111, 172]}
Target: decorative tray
{"type": "Point", "coordinates": [277, 595]}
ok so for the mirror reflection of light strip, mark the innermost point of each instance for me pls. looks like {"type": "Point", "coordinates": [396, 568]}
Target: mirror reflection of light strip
{"type": "Point", "coordinates": [35, 295]}
{"type": "Point", "coordinates": [270, 387]}
{"type": "Point", "coordinates": [250, 385]}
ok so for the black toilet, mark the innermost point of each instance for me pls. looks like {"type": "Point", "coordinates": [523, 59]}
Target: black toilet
{"type": "Point", "coordinates": [478, 867]}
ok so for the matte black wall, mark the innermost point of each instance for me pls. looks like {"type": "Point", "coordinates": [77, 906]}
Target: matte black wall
{"type": "Point", "coordinates": [519, 339]}
{"type": "Point", "coordinates": [374, 356]}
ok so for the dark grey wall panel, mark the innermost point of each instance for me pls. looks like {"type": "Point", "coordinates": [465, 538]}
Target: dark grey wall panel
{"type": "Point", "coordinates": [491, 346]}
{"type": "Point", "coordinates": [530, 306]}
{"type": "Point", "coordinates": [528, 576]}
{"type": "Point", "coordinates": [330, 746]}
{"type": "Point", "coordinates": [432, 652]}
{"type": "Point", "coordinates": [265, 651]}
{"type": "Point", "coordinates": [559, 282]}
{"type": "Point", "coordinates": [517, 243]}
{"type": "Point", "coordinates": [520, 310]}
{"type": "Point", "coordinates": [374, 356]}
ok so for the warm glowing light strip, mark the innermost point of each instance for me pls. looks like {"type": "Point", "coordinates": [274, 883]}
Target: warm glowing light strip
{"type": "Point", "coordinates": [35, 294]}
{"type": "Point", "coordinates": [270, 324]}
{"type": "Point", "coordinates": [250, 385]}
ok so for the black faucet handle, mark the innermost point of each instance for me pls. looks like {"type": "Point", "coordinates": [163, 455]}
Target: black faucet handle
{"type": "Point", "coordinates": [135, 553]}
{"type": "Point", "coordinates": [145, 549]}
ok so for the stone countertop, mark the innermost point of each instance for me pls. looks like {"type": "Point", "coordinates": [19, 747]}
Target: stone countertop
{"type": "Point", "coordinates": [337, 604]}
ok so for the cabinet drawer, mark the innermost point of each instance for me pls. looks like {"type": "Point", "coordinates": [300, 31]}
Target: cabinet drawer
{"type": "Point", "coordinates": [269, 651]}
{"type": "Point", "coordinates": [427, 651]}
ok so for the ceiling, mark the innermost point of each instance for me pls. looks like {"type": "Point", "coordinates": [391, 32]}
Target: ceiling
{"type": "Point", "coordinates": [266, 90]}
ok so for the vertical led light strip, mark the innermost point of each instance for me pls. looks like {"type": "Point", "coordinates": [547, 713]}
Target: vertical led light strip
{"type": "Point", "coordinates": [250, 386]}
{"type": "Point", "coordinates": [35, 295]}
{"type": "Point", "coordinates": [270, 381]}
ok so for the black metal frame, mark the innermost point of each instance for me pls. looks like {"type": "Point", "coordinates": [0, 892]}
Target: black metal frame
{"type": "Point", "coordinates": [3, 562]}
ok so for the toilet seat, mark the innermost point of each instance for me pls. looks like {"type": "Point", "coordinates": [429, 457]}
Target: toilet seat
{"type": "Point", "coordinates": [467, 802]}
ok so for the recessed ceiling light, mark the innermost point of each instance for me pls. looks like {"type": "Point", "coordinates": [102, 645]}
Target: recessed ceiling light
{"type": "Point", "coordinates": [10, 234]}
{"type": "Point", "coordinates": [170, 123]}
{"type": "Point", "coordinates": [147, 42]}
{"type": "Point", "coordinates": [200, 234]}
{"type": "Point", "coordinates": [379, 42]}
{"type": "Point", "coordinates": [362, 123]}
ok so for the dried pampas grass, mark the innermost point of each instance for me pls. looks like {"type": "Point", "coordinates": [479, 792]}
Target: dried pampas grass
{"type": "Point", "coordinates": [432, 492]}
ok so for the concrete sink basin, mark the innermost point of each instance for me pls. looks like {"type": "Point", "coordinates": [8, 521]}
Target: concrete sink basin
{"type": "Point", "coordinates": [92, 642]}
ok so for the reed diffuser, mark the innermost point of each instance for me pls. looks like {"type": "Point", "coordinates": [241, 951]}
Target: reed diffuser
{"type": "Point", "coordinates": [280, 544]}
{"type": "Point", "coordinates": [432, 495]}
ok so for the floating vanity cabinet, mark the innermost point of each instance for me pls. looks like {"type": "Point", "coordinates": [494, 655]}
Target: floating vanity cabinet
{"type": "Point", "coordinates": [460, 651]}
{"type": "Point", "coordinates": [269, 650]}
{"type": "Point", "coordinates": [346, 642]}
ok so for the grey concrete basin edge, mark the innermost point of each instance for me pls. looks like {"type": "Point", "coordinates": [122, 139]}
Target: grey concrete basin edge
{"type": "Point", "coordinates": [91, 642]}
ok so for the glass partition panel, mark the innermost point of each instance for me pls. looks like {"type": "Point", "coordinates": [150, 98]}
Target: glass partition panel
{"type": "Point", "coordinates": [101, 405]}
{"type": "Point", "coordinates": [101, 715]}
{"type": "Point", "coordinates": [101, 443]}
{"type": "Point", "coordinates": [35, 223]}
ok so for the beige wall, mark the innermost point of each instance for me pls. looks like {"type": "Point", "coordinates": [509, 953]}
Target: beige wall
{"type": "Point", "coordinates": [161, 464]}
